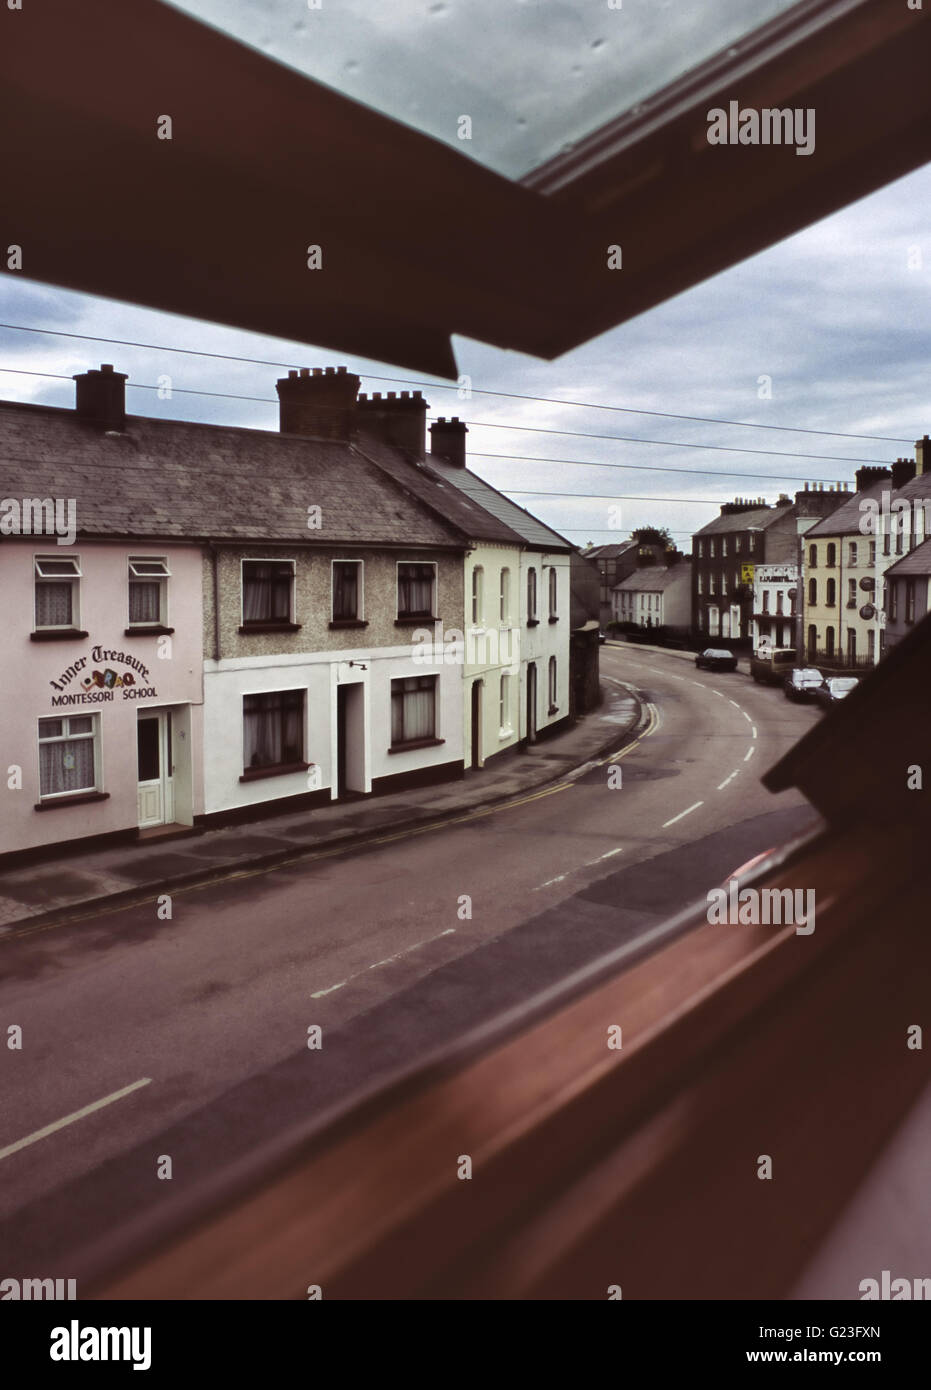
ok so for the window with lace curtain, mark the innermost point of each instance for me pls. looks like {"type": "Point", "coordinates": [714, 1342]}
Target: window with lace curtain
{"type": "Point", "coordinates": [68, 755]}
{"type": "Point", "coordinates": [347, 591]}
{"type": "Point", "coordinates": [273, 729]}
{"type": "Point", "coordinates": [413, 709]}
{"type": "Point", "coordinates": [148, 578]}
{"type": "Point", "coordinates": [56, 586]}
{"type": "Point", "coordinates": [416, 586]}
{"type": "Point", "coordinates": [267, 588]}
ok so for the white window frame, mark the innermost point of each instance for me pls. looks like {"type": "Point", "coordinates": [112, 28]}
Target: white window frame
{"type": "Point", "coordinates": [264, 560]}
{"type": "Point", "coordinates": [532, 609]}
{"type": "Point", "coordinates": [504, 704]}
{"type": "Point", "coordinates": [74, 579]}
{"type": "Point", "coordinates": [552, 672]}
{"type": "Point", "coordinates": [433, 593]}
{"type": "Point", "coordinates": [68, 737]}
{"type": "Point", "coordinates": [553, 593]}
{"type": "Point", "coordinates": [161, 578]}
{"type": "Point", "coordinates": [504, 596]}
{"type": "Point", "coordinates": [360, 587]}
{"type": "Point", "coordinates": [478, 595]}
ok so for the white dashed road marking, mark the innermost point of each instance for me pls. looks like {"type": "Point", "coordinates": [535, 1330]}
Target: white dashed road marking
{"type": "Point", "coordinates": [682, 814]}
{"type": "Point", "coordinates": [70, 1119]}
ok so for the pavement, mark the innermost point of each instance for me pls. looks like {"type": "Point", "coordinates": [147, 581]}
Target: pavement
{"type": "Point", "coordinates": [77, 882]}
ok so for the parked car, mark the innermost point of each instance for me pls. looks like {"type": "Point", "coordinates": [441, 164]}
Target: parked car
{"type": "Point", "coordinates": [602, 635]}
{"type": "Point", "coordinates": [802, 682]}
{"type": "Point", "coordinates": [716, 659]}
{"type": "Point", "coordinates": [833, 689]}
{"type": "Point", "coordinates": [772, 664]}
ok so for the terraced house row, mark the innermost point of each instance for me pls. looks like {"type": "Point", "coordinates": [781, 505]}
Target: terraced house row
{"type": "Point", "coordinates": [241, 621]}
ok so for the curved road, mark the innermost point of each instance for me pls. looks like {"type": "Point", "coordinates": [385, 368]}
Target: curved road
{"type": "Point", "coordinates": [389, 951]}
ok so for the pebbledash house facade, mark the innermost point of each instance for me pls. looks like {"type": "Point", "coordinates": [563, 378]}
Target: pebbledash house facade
{"type": "Point", "coordinates": [209, 623]}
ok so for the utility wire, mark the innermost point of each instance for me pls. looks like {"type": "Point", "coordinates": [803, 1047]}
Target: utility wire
{"type": "Point", "coordinates": [473, 390]}
{"type": "Point", "coordinates": [533, 429]}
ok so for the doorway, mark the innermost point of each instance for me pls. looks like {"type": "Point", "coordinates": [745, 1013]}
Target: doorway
{"type": "Point", "coordinates": [476, 723]}
{"type": "Point", "coordinates": [154, 770]}
{"type": "Point", "coordinates": [532, 702]}
{"type": "Point", "coordinates": [350, 738]}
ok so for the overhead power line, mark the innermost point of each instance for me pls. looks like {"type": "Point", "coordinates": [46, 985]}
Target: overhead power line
{"type": "Point", "coordinates": [473, 390]}
{"type": "Point", "coordinates": [533, 429]}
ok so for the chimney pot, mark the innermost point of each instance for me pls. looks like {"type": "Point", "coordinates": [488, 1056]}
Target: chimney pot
{"type": "Point", "coordinates": [318, 403]}
{"type": "Point", "coordinates": [447, 441]}
{"type": "Point", "coordinates": [100, 398]}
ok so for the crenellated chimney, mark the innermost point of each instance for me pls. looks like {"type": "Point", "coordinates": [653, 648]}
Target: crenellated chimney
{"type": "Point", "coordinates": [447, 440]}
{"type": "Point", "coordinates": [398, 420]}
{"type": "Point", "coordinates": [100, 398]}
{"type": "Point", "coordinates": [320, 403]}
{"type": "Point", "coordinates": [866, 477]}
{"type": "Point", "coordinates": [903, 471]}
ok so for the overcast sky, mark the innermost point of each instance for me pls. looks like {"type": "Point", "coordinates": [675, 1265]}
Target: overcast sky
{"type": "Point", "coordinates": [838, 317]}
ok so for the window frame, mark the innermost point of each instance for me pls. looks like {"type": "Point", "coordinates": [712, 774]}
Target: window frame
{"type": "Point", "coordinates": [256, 771]}
{"type": "Point", "coordinates": [423, 682]}
{"type": "Point", "coordinates": [95, 734]}
{"type": "Point", "coordinates": [73, 581]}
{"type": "Point", "coordinates": [532, 596]}
{"type": "Point", "coordinates": [358, 619]}
{"type": "Point", "coordinates": [269, 624]}
{"type": "Point", "coordinates": [161, 579]}
{"type": "Point", "coordinates": [409, 616]}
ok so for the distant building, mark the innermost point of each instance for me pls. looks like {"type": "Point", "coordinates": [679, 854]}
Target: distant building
{"type": "Point", "coordinates": [657, 596]}
{"type": "Point", "coordinates": [725, 553]}
{"type": "Point", "coordinates": [775, 591]}
{"type": "Point", "coordinates": [908, 594]}
{"type": "Point", "coordinates": [614, 563]}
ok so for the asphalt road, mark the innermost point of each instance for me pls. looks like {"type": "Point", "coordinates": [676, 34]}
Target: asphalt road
{"type": "Point", "coordinates": [388, 951]}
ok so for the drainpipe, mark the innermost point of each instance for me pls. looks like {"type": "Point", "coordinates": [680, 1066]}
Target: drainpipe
{"type": "Point", "coordinates": [216, 600]}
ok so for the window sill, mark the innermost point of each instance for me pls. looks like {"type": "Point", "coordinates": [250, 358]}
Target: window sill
{"type": "Point", "coordinates": [77, 799]}
{"type": "Point", "coordinates": [148, 630]}
{"type": "Point", "coordinates": [554, 620]}
{"type": "Point", "coordinates": [270, 627]}
{"type": "Point", "coordinates": [409, 618]}
{"type": "Point", "coordinates": [416, 743]}
{"type": "Point", "coordinates": [255, 774]}
{"type": "Point", "coordinates": [553, 709]}
{"type": "Point", "coordinates": [349, 622]}
{"type": "Point", "coordinates": [505, 734]}
{"type": "Point", "coordinates": [63, 634]}
{"type": "Point", "coordinates": [533, 622]}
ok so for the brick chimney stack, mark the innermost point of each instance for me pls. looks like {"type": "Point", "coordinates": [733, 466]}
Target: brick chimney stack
{"type": "Point", "coordinates": [100, 398]}
{"type": "Point", "coordinates": [903, 471]}
{"type": "Point", "coordinates": [923, 455]}
{"type": "Point", "coordinates": [398, 420]}
{"type": "Point", "coordinates": [320, 403]}
{"type": "Point", "coordinates": [447, 440]}
{"type": "Point", "coordinates": [866, 477]}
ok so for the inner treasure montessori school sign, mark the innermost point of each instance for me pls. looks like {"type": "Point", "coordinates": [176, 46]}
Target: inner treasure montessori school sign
{"type": "Point", "coordinates": [100, 685]}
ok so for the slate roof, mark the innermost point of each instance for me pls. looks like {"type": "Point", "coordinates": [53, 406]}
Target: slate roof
{"type": "Point", "coordinates": [172, 479]}
{"type": "Point", "coordinates": [918, 561]}
{"type": "Point", "coordinates": [757, 517]}
{"type": "Point", "coordinates": [532, 532]}
{"type": "Point", "coordinates": [423, 481]}
{"type": "Point", "coordinates": [650, 578]}
{"type": "Point", "coordinates": [845, 519]}
{"type": "Point", "coordinates": [611, 552]}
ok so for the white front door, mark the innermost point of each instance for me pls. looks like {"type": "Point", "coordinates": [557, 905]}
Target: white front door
{"type": "Point", "coordinates": [155, 793]}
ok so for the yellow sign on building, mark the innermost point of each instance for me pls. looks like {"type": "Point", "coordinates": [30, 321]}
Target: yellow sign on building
{"type": "Point", "coordinates": [746, 574]}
